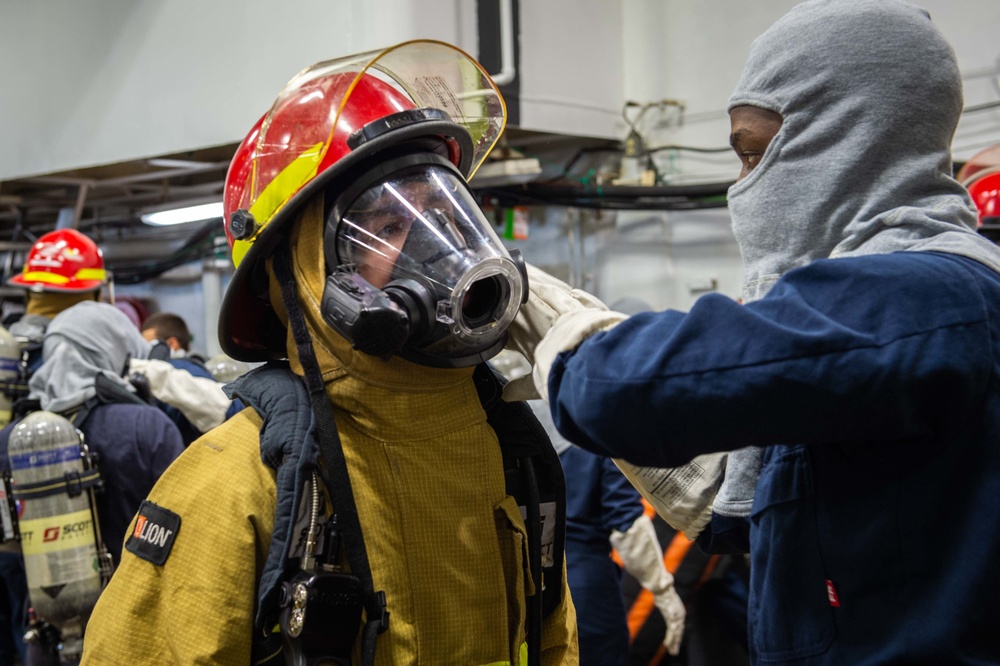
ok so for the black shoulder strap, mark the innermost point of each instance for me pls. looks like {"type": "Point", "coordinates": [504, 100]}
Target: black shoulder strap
{"type": "Point", "coordinates": [334, 469]}
{"type": "Point", "coordinates": [197, 358]}
{"type": "Point", "coordinates": [24, 406]}
{"type": "Point", "coordinates": [159, 351]}
{"type": "Point", "coordinates": [108, 392]}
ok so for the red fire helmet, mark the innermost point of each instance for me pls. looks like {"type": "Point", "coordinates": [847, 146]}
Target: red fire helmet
{"type": "Point", "coordinates": [985, 191]}
{"type": "Point", "coordinates": [62, 260]}
{"type": "Point", "coordinates": [303, 146]}
{"type": "Point", "coordinates": [987, 159]}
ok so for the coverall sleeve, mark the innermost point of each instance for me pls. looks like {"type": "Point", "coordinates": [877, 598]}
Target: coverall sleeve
{"type": "Point", "coordinates": [862, 349]}
{"type": "Point", "coordinates": [621, 503]}
{"type": "Point", "coordinates": [197, 606]}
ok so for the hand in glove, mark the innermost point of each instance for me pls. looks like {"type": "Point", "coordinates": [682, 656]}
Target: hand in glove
{"type": "Point", "coordinates": [548, 298]}
{"type": "Point", "coordinates": [199, 399]}
{"type": "Point", "coordinates": [551, 301]}
{"type": "Point", "coordinates": [672, 608]}
{"type": "Point", "coordinates": [642, 556]}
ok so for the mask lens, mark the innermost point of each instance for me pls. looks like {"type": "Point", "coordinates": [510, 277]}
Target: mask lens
{"type": "Point", "coordinates": [421, 224]}
{"type": "Point", "coordinates": [420, 231]}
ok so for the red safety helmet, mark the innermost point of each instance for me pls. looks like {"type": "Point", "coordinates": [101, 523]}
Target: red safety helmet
{"type": "Point", "coordinates": [987, 159]}
{"type": "Point", "coordinates": [63, 260]}
{"type": "Point", "coordinates": [303, 145]}
{"type": "Point", "coordinates": [985, 191]}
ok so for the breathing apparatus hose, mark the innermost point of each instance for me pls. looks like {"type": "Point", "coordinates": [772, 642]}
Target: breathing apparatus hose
{"type": "Point", "coordinates": [309, 558]}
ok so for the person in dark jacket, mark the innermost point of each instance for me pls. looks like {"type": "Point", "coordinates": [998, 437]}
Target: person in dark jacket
{"type": "Point", "coordinates": [862, 369]}
{"type": "Point", "coordinates": [604, 512]}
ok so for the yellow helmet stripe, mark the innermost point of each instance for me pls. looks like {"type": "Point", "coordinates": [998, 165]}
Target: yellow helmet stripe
{"type": "Point", "coordinates": [47, 278]}
{"type": "Point", "coordinates": [278, 192]}
{"type": "Point", "coordinates": [54, 278]}
{"type": "Point", "coordinates": [91, 274]}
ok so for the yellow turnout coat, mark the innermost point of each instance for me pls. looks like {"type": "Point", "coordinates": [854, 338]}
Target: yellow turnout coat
{"type": "Point", "coordinates": [445, 542]}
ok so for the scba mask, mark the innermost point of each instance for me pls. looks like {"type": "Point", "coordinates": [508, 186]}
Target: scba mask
{"type": "Point", "coordinates": [415, 268]}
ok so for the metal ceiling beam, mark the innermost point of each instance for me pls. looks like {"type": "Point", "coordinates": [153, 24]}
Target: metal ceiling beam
{"type": "Point", "coordinates": [166, 173]}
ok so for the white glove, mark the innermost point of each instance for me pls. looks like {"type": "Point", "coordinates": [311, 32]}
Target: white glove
{"type": "Point", "coordinates": [643, 559]}
{"type": "Point", "coordinates": [682, 496]}
{"type": "Point", "coordinates": [672, 608]}
{"type": "Point", "coordinates": [550, 302]}
{"type": "Point", "coordinates": [199, 399]}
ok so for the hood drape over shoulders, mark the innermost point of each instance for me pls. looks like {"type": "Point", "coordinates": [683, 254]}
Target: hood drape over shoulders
{"type": "Point", "coordinates": [82, 342]}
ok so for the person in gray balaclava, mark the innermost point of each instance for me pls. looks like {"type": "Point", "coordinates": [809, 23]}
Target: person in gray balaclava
{"type": "Point", "coordinates": [863, 367]}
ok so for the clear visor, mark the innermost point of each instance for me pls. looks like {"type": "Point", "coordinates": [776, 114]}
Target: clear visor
{"type": "Point", "coordinates": [423, 225]}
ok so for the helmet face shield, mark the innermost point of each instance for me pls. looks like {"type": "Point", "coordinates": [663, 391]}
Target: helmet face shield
{"type": "Point", "coordinates": [306, 131]}
{"type": "Point", "coordinates": [420, 237]}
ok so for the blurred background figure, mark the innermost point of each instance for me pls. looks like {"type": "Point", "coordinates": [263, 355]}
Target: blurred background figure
{"type": "Point", "coordinates": [715, 591]}
{"type": "Point", "coordinates": [63, 268]}
{"type": "Point", "coordinates": [86, 351]}
{"type": "Point", "coordinates": [171, 340]}
{"type": "Point", "coordinates": [611, 532]}
{"type": "Point", "coordinates": [714, 588]}
{"type": "Point", "coordinates": [171, 330]}
{"type": "Point", "coordinates": [133, 308]}
{"type": "Point", "coordinates": [12, 583]}
{"type": "Point", "coordinates": [604, 511]}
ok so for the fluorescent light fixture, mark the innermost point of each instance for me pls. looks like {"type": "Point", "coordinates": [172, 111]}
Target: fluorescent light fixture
{"type": "Point", "coordinates": [182, 215]}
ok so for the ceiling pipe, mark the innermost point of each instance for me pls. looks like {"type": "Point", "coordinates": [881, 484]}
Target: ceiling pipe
{"type": "Point", "coordinates": [166, 173]}
{"type": "Point", "coordinates": [81, 199]}
{"type": "Point", "coordinates": [134, 178]}
{"type": "Point", "coordinates": [507, 70]}
{"type": "Point", "coordinates": [58, 180]}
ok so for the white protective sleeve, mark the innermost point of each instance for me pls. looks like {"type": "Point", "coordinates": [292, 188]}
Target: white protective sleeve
{"type": "Point", "coordinates": [682, 496]}
{"type": "Point", "coordinates": [642, 557]}
{"type": "Point", "coordinates": [199, 399]}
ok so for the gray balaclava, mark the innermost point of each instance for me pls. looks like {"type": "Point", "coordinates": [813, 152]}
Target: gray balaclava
{"type": "Point", "coordinates": [870, 95]}
{"type": "Point", "coordinates": [84, 341]}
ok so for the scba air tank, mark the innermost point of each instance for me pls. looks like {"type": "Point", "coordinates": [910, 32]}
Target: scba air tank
{"type": "Point", "coordinates": [10, 373]}
{"type": "Point", "coordinates": [58, 539]}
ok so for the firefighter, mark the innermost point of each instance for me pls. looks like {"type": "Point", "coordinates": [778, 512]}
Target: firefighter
{"type": "Point", "coordinates": [367, 506]}
{"type": "Point", "coordinates": [63, 267]}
